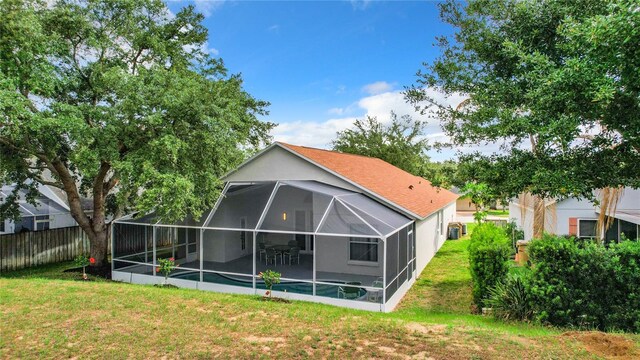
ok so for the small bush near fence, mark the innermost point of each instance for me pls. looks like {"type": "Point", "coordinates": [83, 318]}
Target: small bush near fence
{"type": "Point", "coordinates": [489, 252]}
{"type": "Point", "coordinates": [583, 284]}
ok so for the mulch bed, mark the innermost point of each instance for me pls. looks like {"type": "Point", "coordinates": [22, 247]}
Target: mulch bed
{"type": "Point", "coordinates": [168, 286]}
{"type": "Point", "coordinates": [275, 299]}
{"type": "Point", "coordinates": [102, 272]}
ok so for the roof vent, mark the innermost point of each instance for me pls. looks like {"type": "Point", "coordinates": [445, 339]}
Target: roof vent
{"type": "Point", "coordinates": [410, 187]}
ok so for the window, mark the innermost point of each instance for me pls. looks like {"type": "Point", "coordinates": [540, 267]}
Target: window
{"type": "Point", "coordinates": [363, 249]}
{"type": "Point", "coordinates": [42, 222]}
{"type": "Point", "coordinates": [440, 223]}
{"type": "Point", "coordinates": [2, 226]}
{"type": "Point", "coordinates": [586, 229]}
{"type": "Point", "coordinates": [630, 230]}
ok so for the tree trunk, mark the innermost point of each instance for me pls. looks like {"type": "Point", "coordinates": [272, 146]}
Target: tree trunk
{"type": "Point", "coordinates": [539, 210]}
{"type": "Point", "coordinates": [98, 242]}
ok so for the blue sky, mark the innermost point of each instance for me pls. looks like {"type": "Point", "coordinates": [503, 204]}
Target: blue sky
{"type": "Point", "coordinates": [322, 64]}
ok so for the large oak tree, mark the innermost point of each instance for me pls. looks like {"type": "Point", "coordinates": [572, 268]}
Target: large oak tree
{"type": "Point", "coordinates": [555, 81]}
{"type": "Point", "coordinates": [118, 101]}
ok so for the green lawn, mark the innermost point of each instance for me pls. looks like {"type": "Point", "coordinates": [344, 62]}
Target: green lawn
{"type": "Point", "coordinates": [45, 313]}
{"type": "Point", "coordinates": [503, 213]}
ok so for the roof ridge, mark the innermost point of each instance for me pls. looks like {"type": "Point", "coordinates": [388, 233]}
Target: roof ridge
{"type": "Point", "coordinates": [333, 151]}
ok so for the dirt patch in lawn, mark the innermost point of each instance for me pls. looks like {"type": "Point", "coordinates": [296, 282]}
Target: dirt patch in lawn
{"type": "Point", "coordinates": [260, 339]}
{"type": "Point", "coordinates": [609, 346]}
{"type": "Point", "coordinates": [427, 330]}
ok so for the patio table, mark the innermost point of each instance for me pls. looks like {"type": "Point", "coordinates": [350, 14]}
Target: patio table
{"type": "Point", "coordinates": [281, 249]}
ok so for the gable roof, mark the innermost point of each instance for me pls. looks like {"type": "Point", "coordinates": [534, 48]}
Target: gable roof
{"type": "Point", "coordinates": [408, 192]}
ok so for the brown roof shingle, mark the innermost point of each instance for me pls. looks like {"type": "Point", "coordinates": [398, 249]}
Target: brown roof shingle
{"type": "Point", "coordinates": [407, 191]}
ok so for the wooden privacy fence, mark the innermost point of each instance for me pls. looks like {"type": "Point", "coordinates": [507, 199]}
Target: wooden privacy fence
{"type": "Point", "coordinates": [19, 251]}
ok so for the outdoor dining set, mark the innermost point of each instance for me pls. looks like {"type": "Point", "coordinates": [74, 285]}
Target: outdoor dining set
{"type": "Point", "coordinates": [290, 251]}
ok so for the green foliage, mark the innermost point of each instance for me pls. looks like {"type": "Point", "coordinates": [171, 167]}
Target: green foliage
{"type": "Point", "coordinates": [543, 74]}
{"type": "Point", "coordinates": [513, 231]}
{"type": "Point", "coordinates": [166, 266]}
{"type": "Point", "coordinates": [81, 261]}
{"type": "Point", "coordinates": [489, 251]}
{"type": "Point", "coordinates": [270, 277]}
{"type": "Point", "coordinates": [401, 143]}
{"type": "Point", "coordinates": [511, 299]}
{"type": "Point", "coordinates": [480, 194]}
{"type": "Point", "coordinates": [585, 284]}
{"type": "Point", "coordinates": [118, 101]}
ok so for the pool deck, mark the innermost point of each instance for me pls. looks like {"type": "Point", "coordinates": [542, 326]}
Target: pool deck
{"type": "Point", "coordinates": [302, 271]}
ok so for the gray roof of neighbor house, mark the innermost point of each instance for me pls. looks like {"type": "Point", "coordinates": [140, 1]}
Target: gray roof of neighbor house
{"type": "Point", "coordinates": [52, 200]}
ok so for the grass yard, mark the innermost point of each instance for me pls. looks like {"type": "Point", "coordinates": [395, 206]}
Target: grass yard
{"type": "Point", "coordinates": [45, 313]}
{"type": "Point", "coordinates": [502, 213]}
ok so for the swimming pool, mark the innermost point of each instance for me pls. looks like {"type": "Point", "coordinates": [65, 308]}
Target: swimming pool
{"type": "Point", "coordinates": [297, 287]}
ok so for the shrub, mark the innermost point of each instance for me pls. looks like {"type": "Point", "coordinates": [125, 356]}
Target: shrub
{"type": "Point", "coordinates": [489, 251]}
{"type": "Point", "coordinates": [585, 284]}
{"type": "Point", "coordinates": [270, 278]}
{"type": "Point", "coordinates": [625, 310]}
{"type": "Point", "coordinates": [84, 261]}
{"type": "Point", "coordinates": [511, 299]}
{"type": "Point", "coordinates": [166, 266]}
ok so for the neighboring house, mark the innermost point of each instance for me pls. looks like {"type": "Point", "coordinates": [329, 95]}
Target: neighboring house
{"type": "Point", "coordinates": [464, 203]}
{"type": "Point", "coordinates": [51, 210]}
{"type": "Point", "coordinates": [342, 229]}
{"type": "Point", "coordinates": [579, 217]}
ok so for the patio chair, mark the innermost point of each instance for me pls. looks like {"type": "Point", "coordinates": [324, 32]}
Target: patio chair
{"type": "Point", "coordinates": [376, 295]}
{"type": "Point", "coordinates": [349, 292]}
{"type": "Point", "coordinates": [294, 253]}
{"type": "Point", "coordinates": [272, 254]}
{"type": "Point", "coordinates": [262, 249]}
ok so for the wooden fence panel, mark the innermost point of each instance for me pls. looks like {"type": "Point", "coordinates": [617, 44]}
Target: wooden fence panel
{"type": "Point", "coordinates": [19, 251]}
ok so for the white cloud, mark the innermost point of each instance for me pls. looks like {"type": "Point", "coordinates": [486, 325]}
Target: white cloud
{"type": "Point", "coordinates": [336, 111]}
{"type": "Point", "coordinates": [320, 133]}
{"type": "Point", "coordinates": [360, 4]}
{"type": "Point", "coordinates": [205, 48]}
{"type": "Point", "coordinates": [377, 87]}
{"type": "Point", "coordinates": [274, 28]}
{"type": "Point", "coordinates": [207, 7]}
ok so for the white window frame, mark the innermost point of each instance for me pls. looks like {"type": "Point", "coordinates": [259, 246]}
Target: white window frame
{"type": "Point", "coordinates": [358, 240]}
{"type": "Point", "coordinates": [594, 230]}
{"type": "Point", "coordinates": [37, 221]}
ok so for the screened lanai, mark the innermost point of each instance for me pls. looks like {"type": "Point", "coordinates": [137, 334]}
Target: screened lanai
{"type": "Point", "coordinates": [327, 242]}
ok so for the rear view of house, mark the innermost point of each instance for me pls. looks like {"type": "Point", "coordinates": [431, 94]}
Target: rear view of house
{"type": "Point", "coordinates": [340, 228]}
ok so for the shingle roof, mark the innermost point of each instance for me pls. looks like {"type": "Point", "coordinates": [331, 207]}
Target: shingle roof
{"type": "Point", "coordinates": [397, 186]}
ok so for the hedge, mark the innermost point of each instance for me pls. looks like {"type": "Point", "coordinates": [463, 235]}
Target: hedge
{"type": "Point", "coordinates": [489, 253]}
{"type": "Point", "coordinates": [583, 284]}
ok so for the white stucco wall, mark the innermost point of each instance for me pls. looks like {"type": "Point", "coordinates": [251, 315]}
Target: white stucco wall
{"type": "Point", "coordinates": [523, 217]}
{"type": "Point", "coordinates": [429, 238]}
{"type": "Point", "coordinates": [332, 255]}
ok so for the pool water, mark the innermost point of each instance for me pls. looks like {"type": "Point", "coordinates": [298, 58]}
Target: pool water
{"type": "Point", "coordinates": [297, 287]}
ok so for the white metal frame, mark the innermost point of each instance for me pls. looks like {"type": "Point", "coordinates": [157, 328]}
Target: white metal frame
{"type": "Point", "coordinates": [133, 277]}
